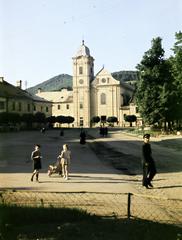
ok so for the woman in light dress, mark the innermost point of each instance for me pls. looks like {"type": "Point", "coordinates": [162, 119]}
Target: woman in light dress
{"type": "Point", "coordinates": [65, 158]}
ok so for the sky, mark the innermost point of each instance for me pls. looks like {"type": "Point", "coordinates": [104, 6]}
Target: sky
{"type": "Point", "coordinates": [38, 38]}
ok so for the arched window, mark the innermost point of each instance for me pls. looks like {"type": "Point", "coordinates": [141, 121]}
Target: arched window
{"type": "Point", "coordinates": [80, 70]}
{"type": "Point", "coordinates": [103, 98]}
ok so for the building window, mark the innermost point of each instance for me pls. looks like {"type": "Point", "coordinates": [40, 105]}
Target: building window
{"type": "Point", "coordinates": [2, 105]}
{"type": "Point", "coordinates": [34, 108]}
{"type": "Point", "coordinates": [81, 121]}
{"type": "Point", "coordinates": [80, 70]}
{"type": "Point", "coordinates": [137, 110]}
{"type": "Point", "coordinates": [67, 106]}
{"type": "Point", "coordinates": [107, 80]}
{"type": "Point", "coordinates": [103, 80]}
{"type": "Point", "coordinates": [59, 107]}
{"type": "Point", "coordinates": [19, 106]}
{"type": "Point", "coordinates": [103, 98]}
{"type": "Point", "coordinates": [28, 107]}
{"type": "Point", "coordinates": [13, 106]}
{"type": "Point", "coordinates": [41, 109]}
{"type": "Point", "coordinates": [81, 105]}
{"type": "Point", "coordinates": [47, 109]}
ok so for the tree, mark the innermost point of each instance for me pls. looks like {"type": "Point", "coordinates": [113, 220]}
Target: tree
{"type": "Point", "coordinates": [61, 119]}
{"type": "Point", "coordinates": [39, 117]}
{"type": "Point", "coordinates": [112, 120]}
{"type": "Point", "coordinates": [153, 84]}
{"type": "Point", "coordinates": [130, 119]}
{"type": "Point", "coordinates": [69, 120]}
{"type": "Point", "coordinates": [9, 118]}
{"type": "Point", "coordinates": [95, 119]}
{"type": "Point", "coordinates": [51, 120]}
{"type": "Point", "coordinates": [28, 118]}
{"type": "Point", "coordinates": [176, 61]}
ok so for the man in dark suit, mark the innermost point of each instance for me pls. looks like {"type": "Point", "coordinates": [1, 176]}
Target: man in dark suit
{"type": "Point", "coordinates": [149, 169]}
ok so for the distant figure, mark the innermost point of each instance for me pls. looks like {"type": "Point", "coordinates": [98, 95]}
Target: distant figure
{"type": "Point", "coordinates": [36, 158]}
{"type": "Point", "coordinates": [101, 131]}
{"type": "Point", "coordinates": [65, 158]}
{"type": "Point", "coordinates": [61, 133]}
{"type": "Point", "coordinates": [105, 131]}
{"type": "Point", "coordinates": [149, 169]}
{"type": "Point", "coordinates": [43, 130]}
{"type": "Point", "coordinates": [82, 137]}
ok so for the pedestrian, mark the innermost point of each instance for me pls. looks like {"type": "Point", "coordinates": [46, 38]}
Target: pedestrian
{"type": "Point", "coordinates": [149, 169]}
{"type": "Point", "coordinates": [36, 158]}
{"type": "Point", "coordinates": [65, 158]}
{"type": "Point", "coordinates": [82, 137]}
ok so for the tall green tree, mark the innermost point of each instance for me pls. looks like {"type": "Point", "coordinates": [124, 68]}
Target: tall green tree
{"type": "Point", "coordinates": [152, 87]}
{"type": "Point", "coordinates": [176, 62]}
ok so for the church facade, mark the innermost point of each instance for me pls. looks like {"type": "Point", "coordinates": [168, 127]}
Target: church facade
{"type": "Point", "coordinates": [92, 95]}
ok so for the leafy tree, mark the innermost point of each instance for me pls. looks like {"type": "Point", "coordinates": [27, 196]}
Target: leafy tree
{"type": "Point", "coordinates": [153, 85]}
{"type": "Point", "coordinates": [130, 119]}
{"type": "Point", "coordinates": [9, 117]}
{"type": "Point", "coordinates": [39, 117]}
{"type": "Point", "coordinates": [64, 119]}
{"type": "Point", "coordinates": [69, 119]}
{"type": "Point", "coordinates": [51, 119]}
{"type": "Point", "coordinates": [4, 117]}
{"type": "Point", "coordinates": [95, 119]}
{"type": "Point", "coordinates": [28, 118]}
{"type": "Point", "coordinates": [112, 120]}
{"type": "Point", "coordinates": [176, 62]}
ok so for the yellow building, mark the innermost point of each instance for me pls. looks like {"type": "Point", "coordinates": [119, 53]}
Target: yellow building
{"type": "Point", "coordinates": [15, 100]}
{"type": "Point", "coordinates": [100, 95]}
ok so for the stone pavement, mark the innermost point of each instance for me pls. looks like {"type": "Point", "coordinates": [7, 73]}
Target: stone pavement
{"type": "Point", "coordinates": [102, 165]}
{"type": "Point", "coordinates": [167, 152]}
{"type": "Point", "coordinates": [87, 172]}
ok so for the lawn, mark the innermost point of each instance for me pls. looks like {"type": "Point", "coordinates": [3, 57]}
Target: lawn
{"type": "Point", "coordinates": [28, 223]}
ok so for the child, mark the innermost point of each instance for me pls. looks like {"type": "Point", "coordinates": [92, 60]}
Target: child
{"type": "Point", "coordinates": [36, 158]}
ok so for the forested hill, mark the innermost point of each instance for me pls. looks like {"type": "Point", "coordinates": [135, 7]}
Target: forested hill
{"type": "Point", "coordinates": [125, 76]}
{"type": "Point", "coordinates": [53, 84]}
{"type": "Point", "coordinates": [65, 81]}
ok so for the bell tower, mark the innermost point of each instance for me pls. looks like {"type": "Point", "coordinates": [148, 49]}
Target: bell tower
{"type": "Point", "coordinates": [83, 74]}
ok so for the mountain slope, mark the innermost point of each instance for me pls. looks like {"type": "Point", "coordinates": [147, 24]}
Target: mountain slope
{"type": "Point", "coordinates": [53, 84]}
{"type": "Point", "coordinates": [65, 81]}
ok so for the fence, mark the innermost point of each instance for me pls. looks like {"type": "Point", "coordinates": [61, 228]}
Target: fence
{"type": "Point", "coordinates": [118, 205]}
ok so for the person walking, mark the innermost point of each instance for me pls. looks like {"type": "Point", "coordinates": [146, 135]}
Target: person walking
{"type": "Point", "coordinates": [36, 158]}
{"type": "Point", "coordinates": [149, 168]}
{"type": "Point", "coordinates": [65, 158]}
{"type": "Point", "coordinates": [82, 137]}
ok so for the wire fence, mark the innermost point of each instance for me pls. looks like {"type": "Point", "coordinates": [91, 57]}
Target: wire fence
{"type": "Point", "coordinates": [118, 205]}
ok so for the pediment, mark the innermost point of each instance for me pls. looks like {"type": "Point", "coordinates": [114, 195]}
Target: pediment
{"type": "Point", "coordinates": [104, 77]}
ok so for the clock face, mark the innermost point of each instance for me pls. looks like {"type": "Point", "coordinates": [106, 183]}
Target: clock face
{"type": "Point", "coordinates": [81, 81]}
{"type": "Point", "coordinates": [103, 80]}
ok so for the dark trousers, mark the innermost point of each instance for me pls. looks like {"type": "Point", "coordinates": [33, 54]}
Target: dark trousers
{"type": "Point", "coordinates": [148, 173]}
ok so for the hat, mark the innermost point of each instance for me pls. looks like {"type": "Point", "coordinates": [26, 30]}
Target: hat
{"type": "Point", "coordinates": [146, 136]}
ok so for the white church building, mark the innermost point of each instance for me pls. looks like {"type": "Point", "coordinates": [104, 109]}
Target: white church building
{"type": "Point", "coordinates": [92, 95]}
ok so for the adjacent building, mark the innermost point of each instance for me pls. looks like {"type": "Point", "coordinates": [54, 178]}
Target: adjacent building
{"type": "Point", "coordinates": [15, 100]}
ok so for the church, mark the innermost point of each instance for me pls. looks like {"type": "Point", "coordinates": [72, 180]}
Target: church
{"type": "Point", "coordinates": [92, 95]}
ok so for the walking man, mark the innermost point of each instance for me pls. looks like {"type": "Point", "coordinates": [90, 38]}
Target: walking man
{"type": "Point", "coordinates": [149, 169]}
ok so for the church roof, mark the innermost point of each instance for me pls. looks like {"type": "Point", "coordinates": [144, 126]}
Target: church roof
{"type": "Point", "coordinates": [83, 50]}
